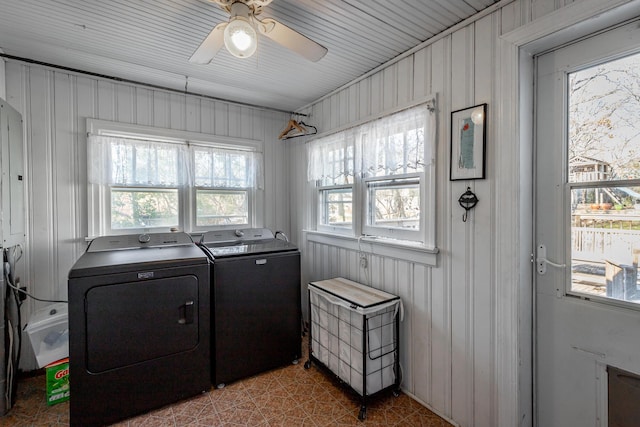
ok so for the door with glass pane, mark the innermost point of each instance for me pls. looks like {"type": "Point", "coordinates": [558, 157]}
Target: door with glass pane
{"type": "Point", "coordinates": [587, 210]}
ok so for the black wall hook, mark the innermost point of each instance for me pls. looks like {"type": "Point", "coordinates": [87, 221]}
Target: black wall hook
{"type": "Point", "coordinates": [468, 201]}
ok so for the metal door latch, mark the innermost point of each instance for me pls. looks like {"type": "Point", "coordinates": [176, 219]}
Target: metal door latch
{"type": "Point", "coordinates": [542, 261]}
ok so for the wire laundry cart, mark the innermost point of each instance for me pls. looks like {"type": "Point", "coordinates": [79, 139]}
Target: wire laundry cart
{"type": "Point", "coordinates": [355, 334]}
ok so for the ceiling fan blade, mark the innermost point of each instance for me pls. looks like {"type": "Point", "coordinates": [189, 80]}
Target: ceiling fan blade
{"type": "Point", "coordinates": [291, 39]}
{"type": "Point", "coordinates": [210, 45]}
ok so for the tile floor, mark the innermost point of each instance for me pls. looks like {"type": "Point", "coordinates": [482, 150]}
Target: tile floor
{"type": "Point", "coordinates": [289, 396]}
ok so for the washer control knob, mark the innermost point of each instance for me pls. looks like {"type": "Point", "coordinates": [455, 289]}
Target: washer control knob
{"type": "Point", "coordinates": [144, 238]}
{"type": "Point", "coordinates": [239, 233]}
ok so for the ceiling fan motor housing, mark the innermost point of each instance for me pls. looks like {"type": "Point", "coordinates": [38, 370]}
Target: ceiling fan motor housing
{"type": "Point", "coordinates": [255, 6]}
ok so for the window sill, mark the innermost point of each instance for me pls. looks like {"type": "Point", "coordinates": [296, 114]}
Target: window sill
{"type": "Point", "coordinates": [399, 249]}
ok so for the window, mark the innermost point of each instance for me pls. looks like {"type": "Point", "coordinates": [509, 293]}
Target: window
{"type": "Point", "coordinates": [143, 183]}
{"type": "Point", "coordinates": [224, 181]}
{"type": "Point", "coordinates": [332, 163]}
{"type": "Point", "coordinates": [377, 179]}
{"type": "Point", "coordinates": [604, 179]}
{"type": "Point", "coordinates": [337, 207]}
{"type": "Point", "coordinates": [393, 167]}
{"type": "Point", "coordinates": [144, 208]}
{"type": "Point", "coordinates": [393, 204]}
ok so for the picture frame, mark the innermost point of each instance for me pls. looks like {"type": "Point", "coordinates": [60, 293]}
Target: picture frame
{"type": "Point", "coordinates": [468, 143]}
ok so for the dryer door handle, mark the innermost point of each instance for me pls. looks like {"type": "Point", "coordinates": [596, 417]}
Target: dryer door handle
{"type": "Point", "coordinates": [186, 313]}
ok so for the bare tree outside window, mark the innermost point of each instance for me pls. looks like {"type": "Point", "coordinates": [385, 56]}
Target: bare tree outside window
{"type": "Point", "coordinates": [604, 115]}
{"type": "Point", "coordinates": [604, 178]}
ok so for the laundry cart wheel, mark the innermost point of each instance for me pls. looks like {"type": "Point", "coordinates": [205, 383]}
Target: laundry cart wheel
{"type": "Point", "coordinates": [363, 413]}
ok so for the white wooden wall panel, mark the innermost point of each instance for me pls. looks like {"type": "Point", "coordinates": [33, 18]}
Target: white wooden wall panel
{"type": "Point", "coordinates": [55, 106]}
{"type": "Point", "coordinates": [484, 291]}
{"type": "Point", "coordinates": [354, 98]}
{"type": "Point", "coordinates": [450, 345]}
{"type": "Point", "coordinates": [3, 85]}
{"type": "Point", "coordinates": [405, 81]}
{"type": "Point", "coordinates": [422, 73]}
{"type": "Point", "coordinates": [541, 8]}
{"type": "Point", "coordinates": [364, 105]}
{"type": "Point", "coordinates": [449, 337]}
{"type": "Point", "coordinates": [85, 89]}
{"type": "Point", "coordinates": [40, 234]}
{"type": "Point", "coordinates": [376, 90]}
{"type": "Point", "coordinates": [64, 187]}
{"type": "Point", "coordinates": [440, 308]}
{"type": "Point", "coordinates": [511, 16]}
{"type": "Point", "coordinates": [462, 276]}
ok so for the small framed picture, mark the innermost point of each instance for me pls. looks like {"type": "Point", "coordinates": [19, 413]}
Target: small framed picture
{"type": "Point", "coordinates": [468, 134]}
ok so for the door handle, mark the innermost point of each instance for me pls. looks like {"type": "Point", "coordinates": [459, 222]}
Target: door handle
{"type": "Point", "coordinates": [186, 313]}
{"type": "Point", "coordinates": [542, 261]}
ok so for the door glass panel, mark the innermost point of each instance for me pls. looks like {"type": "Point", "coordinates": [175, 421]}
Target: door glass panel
{"type": "Point", "coordinates": [604, 179]}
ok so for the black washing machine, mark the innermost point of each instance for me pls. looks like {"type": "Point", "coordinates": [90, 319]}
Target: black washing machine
{"type": "Point", "coordinates": [139, 326]}
{"type": "Point", "coordinates": [255, 302]}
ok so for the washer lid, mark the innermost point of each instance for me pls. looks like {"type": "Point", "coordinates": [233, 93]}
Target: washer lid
{"type": "Point", "coordinates": [139, 241]}
{"type": "Point", "coordinates": [236, 237]}
{"type": "Point", "coordinates": [254, 248]}
{"type": "Point", "coordinates": [246, 241]}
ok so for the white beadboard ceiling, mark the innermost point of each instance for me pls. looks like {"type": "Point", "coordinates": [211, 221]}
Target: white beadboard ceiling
{"type": "Point", "coordinates": [150, 41]}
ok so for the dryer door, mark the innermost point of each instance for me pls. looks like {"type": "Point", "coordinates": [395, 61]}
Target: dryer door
{"type": "Point", "coordinates": [147, 319]}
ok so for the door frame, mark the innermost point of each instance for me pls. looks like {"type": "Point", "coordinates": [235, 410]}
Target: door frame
{"type": "Point", "coordinates": [514, 176]}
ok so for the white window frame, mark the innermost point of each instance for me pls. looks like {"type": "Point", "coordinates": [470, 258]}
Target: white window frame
{"type": "Point", "coordinates": [250, 191]}
{"type": "Point", "coordinates": [392, 232]}
{"type": "Point", "coordinates": [596, 180]}
{"type": "Point", "coordinates": [250, 208]}
{"type": "Point", "coordinates": [105, 193]}
{"type": "Point", "coordinates": [424, 237]}
{"type": "Point", "coordinates": [99, 196]}
{"type": "Point", "coordinates": [322, 204]}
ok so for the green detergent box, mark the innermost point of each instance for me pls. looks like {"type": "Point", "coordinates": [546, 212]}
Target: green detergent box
{"type": "Point", "coordinates": [57, 381]}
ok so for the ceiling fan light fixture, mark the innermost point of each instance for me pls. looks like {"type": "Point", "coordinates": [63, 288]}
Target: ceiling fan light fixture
{"type": "Point", "coordinates": [240, 38]}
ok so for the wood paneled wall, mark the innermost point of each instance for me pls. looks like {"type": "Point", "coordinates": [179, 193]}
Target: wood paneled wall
{"type": "Point", "coordinates": [448, 335]}
{"type": "Point", "coordinates": [55, 106]}
{"type": "Point", "coordinates": [449, 338]}
{"type": "Point", "coordinates": [3, 85]}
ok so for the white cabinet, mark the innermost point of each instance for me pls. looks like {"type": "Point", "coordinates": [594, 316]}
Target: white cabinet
{"type": "Point", "coordinates": [12, 181]}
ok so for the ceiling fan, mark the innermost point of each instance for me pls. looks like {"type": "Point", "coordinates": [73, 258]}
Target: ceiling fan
{"type": "Point", "coordinates": [240, 38]}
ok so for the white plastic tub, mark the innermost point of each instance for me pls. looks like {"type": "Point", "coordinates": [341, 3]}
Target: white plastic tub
{"type": "Point", "coordinates": [48, 331]}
